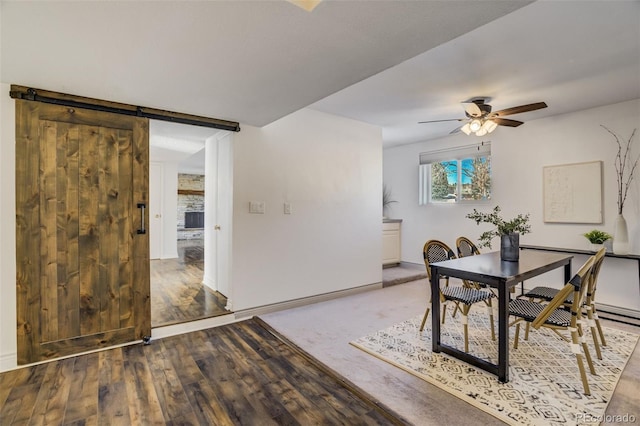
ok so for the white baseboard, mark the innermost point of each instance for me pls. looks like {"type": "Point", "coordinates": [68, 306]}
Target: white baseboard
{"type": "Point", "coordinates": [404, 262]}
{"type": "Point", "coordinates": [171, 255]}
{"type": "Point", "coordinates": [187, 327]}
{"type": "Point", "coordinates": [8, 362]}
{"type": "Point", "coordinates": [172, 330]}
{"type": "Point", "coordinates": [209, 282]}
{"type": "Point", "coordinates": [266, 309]}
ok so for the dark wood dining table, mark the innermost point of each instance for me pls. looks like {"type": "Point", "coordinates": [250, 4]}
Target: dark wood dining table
{"type": "Point", "coordinates": [488, 268]}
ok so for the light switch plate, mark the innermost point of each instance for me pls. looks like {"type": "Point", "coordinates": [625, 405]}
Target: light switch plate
{"type": "Point", "coordinates": [287, 208]}
{"type": "Point", "coordinates": [256, 207]}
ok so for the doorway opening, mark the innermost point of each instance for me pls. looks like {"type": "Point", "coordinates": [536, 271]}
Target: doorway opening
{"type": "Point", "coordinates": [188, 279]}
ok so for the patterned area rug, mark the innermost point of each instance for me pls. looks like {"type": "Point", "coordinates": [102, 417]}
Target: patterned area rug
{"type": "Point", "coordinates": [544, 387]}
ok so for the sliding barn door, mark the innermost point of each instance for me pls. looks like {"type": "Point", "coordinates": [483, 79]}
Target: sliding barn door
{"type": "Point", "coordinates": [82, 254]}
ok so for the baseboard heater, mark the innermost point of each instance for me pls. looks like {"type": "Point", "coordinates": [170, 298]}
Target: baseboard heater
{"type": "Point", "coordinates": [615, 310]}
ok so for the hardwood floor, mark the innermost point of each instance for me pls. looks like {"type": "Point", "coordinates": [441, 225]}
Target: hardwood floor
{"type": "Point", "coordinates": [237, 374]}
{"type": "Point", "coordinates": [177, 292]}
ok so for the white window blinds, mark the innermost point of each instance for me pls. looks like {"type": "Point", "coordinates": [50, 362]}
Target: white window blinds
{"type": "Point", "coordinates": [458, 153]}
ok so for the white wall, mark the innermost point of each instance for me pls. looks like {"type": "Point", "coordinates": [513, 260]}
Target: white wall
{"type": "Point", "coordinates": [330, 170]}
{"type": "Point", "coordinates": [8, 345]}
{"type": "Point", "coordinates": [518, 155]}
{"type": "Point", "coordinates": [166, 181]}
{"type": "Point", "coordinates": [170, 210]}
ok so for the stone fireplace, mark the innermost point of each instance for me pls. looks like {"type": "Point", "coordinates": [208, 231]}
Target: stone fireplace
{"type": "Point", "coordinates": [190, 206]}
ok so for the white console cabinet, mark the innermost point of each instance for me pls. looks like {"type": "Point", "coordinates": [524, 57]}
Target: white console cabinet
{"type": "Point", "coordinates": [391, 242]}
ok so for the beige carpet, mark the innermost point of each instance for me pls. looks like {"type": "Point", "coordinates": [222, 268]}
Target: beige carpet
{"type": "Point", "coordinates": [545, 387]}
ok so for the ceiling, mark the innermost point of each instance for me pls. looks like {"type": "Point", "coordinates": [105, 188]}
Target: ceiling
{"type": "Point", "coordinates": [391, 63]}
{"type": "Point", "coordinates": [573, 55]}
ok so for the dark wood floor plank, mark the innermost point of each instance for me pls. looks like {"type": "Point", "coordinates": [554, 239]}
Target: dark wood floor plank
{"type": "Point", "coordinates": [206, 404]}
{"type": "Point", "coordinates": [232, 397]}
{"type": "Point", "coordinates": [302, 391]}
{"type": "Point", "coordinates": [252, 371]}
{"type": "Point", "coordinates": [31, 376]}
{"type": "Point", "coordinates": [179, 349]}
{"type": "Point", "coordinates": [20, 402]}
{"type": "Point", "coordinates": [302, 397]}
{"type": "Point", "coordinates": [300, 409]}
{"type": "Point", "coordinates": [83, 395]}
{"type": "Point", "coordinates": [185, 420]}
{"type": "Point", "coordinates": [237, 374]}
{"type": "Point", "coordinates": [308, 390]}
{"type": "Point", "coordinates": [19, 406]}
{"type": "Point", "coordinates": [52, 399]}
{"type": "Point", "coordinates": [7, 382]}
{"type": "Point", "coordinates": [89, 421]}
{"type": "Point", "coordinates": [142, 397]}
{"type": "Point", "coordinates": [171, 396]}
{"type": "Point", "coordinates": [113, 404]}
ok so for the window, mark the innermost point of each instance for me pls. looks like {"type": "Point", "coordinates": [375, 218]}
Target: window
{"type": "Point", "coordinates": [456, 175]}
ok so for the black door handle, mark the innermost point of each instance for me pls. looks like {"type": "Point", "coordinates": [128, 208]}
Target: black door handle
{"type": "Point", "coordinates": [142, 206]}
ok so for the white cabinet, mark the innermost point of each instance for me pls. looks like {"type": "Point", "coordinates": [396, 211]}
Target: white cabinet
{"type": "Point", "coordinates": [391, 242]}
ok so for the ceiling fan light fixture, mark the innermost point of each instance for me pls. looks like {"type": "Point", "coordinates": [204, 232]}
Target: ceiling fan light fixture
{"type": "Point", "coordinates": [488, 126]}
{"type": "Point", "coordinates": [481, 121]}
{"type": "Point", "coordinates": [475, 125]}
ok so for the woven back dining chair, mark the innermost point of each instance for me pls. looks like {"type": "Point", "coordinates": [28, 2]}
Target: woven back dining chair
{"type": "Point", "coordinates": [466, 247]}
{"type": "Point", "coordinates": [555, 317]}
{"type": "Point", "coordinates": [545, 294]}
{"type": "Point", "coordinates": [463, 297]}
{"type": "Point", "coordinates": [590, 303]}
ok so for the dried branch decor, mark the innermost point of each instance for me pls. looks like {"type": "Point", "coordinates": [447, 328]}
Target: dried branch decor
{"type": "Point", "coordinates": [625, 168]}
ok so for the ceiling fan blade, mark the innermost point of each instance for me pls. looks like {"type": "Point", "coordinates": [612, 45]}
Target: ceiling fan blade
{"type": "Point", "coordinates": [456, 130]}
{"type": "Point", "coordinates": [507, 122]}
{"type": "Point", "coordinates": [440, 121]}
{"type": "Point", "coordinates": [472, 109]}
{"type": "Point", "coordinates": [519, 109]}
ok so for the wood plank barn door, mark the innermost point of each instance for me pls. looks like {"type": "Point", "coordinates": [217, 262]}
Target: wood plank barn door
{"type": "Point", "coordinates": [82, 257]}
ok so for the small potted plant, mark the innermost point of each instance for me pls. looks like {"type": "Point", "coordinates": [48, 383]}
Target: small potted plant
{"type": "Point", "coordinates": [508, 230]}
{"type": "Point", "coordinates": [386, 200]}
{"type": "Point", "coordinates": [597, 238]}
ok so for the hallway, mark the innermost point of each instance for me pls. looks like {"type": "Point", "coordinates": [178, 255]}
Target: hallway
{"type": "Point", "coordinates": [177, 292]}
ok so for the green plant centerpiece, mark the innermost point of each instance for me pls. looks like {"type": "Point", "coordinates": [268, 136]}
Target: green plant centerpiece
{"type": "Point", "coordinates": [596, 237]}
{"type": "Point", "coordinates": [508, 230]}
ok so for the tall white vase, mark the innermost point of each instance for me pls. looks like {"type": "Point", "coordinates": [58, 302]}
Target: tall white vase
{"type": "Point", "coordinates": [621, 236]}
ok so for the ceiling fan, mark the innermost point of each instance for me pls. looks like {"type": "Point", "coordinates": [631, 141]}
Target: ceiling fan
{"type": "Point", "coordinates": [481, 121]}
